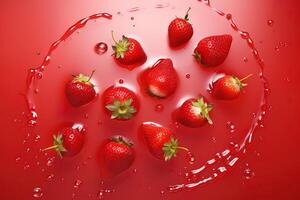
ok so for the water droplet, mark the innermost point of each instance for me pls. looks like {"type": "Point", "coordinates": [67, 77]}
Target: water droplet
{"type": "Point", "coordinates": [38, 53]}
{"type": "Point", "coordinates": [270, 22]}
{"type": "Point", "coordinates": [27, 166]}
{"type": "Point", "coordinates": [162, 192]}
{"type": "Point", "coordinates": [245, 59]}
{"type": "Point", "coordinates": [101, 48]}
{"type": "Point", "coordinates": [191, 157]}
{"type": "Point", "coordinates": [121, 81]}
{"type": "Point", "coordinates": [50, 161]}
{"type": "Point", "coordinates": [248, 173]}
{"type": "Point", "coordinates": [86, 116]}
{"type": "Point", "coordinates": [18, 159]}
{"type": "Point", "coordinates": [228, 16]}
{"type": "Point", "coordinates": [188, 76]}
{"type": "Point", "coordinates": [37, 138]}
{"type": "Point", "coordinates": [39, 75]}
{"type": "Point", "coordinates": [50, 177]}
{"type": "Point", "coordinates": [37, 192]}
{"type": "Point", "coordinates": [77, 184]}
{"type": "Point", "coordinates": [214, 139]}
{"type": "Point", "coordinates": [159, 108]}
{"type": "Point", "coordinates": [131, 18]}
{"type": "Point", "coordinates": [36, 91]}
{"type": "Point", "coordinates": [230, 126]}
{"type": "Point", "coordinates": [277, 48]}
{"type": "Point", "coordinates": [134, 171]}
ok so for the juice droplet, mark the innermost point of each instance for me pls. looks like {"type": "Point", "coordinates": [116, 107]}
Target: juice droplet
{"type": "Point", "coordinates": [131, 18]}
{"type": "Point", "coordinates": [188, 76]}
{"type": "Point", "coordinates": [270, 22]}
{"type": "Point", "coordinates": [18, 159]}
{"type": "Point", "coordinates": [159, 108]}
{"type": "Point", "coordinates": [134, 171]}
{"type": "Point", "coordinates": [245, 59]}
{"type": "Point", "coordinates": [37, 138]}
{"type": "Point", "coordinates": [121, 81]}
{"type": "Point", "coordinates": [37, 192]}
{"type": "Point", "coordinates": [101, 48]}
{"type": "Point", "coordinates": [50, 177]}
{"type": "Point", "coordinates": [249, 173]}
{"type": "Point", "coordinates": [191, 157]}
{"type": "Point", "coordinates": [77, 184]}
{"type": "Point", "coordinates": [50, 161]}
{"type": "Point", "coordinates": [27, 166]}
{"type": "Point", "coordinates": [230, 126]}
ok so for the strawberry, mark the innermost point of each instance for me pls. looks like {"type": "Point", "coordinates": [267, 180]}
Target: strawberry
{"type": "Point", "coordinates": [194, 113]}
{"type": "Point", "coordinates": [80, 90]}
{"type": "Point", "coordinates": [128, 52]}
{"type": "Point", "coordinates": [160, 141]}
{"type": "Point", "coordinates": [120, 103]}
{"type": "Point", "coordinates": [117, 155]}
{"type": "Point", "coordinates": [212, 51]}
{"type": "Point", "coordinates": [68, 141]}
{"type": "Point", "coordinates": [161, 79]}
{"type": "Point", "coordinates": [228, 87]}
{"type": "Point", "coordinates": [180, 31]}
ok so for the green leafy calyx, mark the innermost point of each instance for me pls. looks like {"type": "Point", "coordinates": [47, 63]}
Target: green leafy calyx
{"type": "Point", "coordinates": [121, 109]}
{"type": "Point", "coordinates": [121, 46]}
{"type": "Point", "coordinates": [203, 109]}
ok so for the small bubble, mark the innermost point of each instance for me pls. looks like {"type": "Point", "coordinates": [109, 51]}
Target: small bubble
{"type": "Point", "coordinates": [159, 108]}
{"type": "Point", "coordinates": [27, 166]}
{"type": "Point", "coordinates": [18, 159]}
{"type": "Point", "coordinates": [270, 22]}
{"type": "Point", "coordinates": [230, 126]}
{"type": "Point", "coordinates": [245, 59]}
{"type": "Point", "coordinates": [39, 75]}
{"type": "Point", "coordinates": [101, 48]}
{"type": "Point", "coordinates": [214, 139]}
{"type": "Point", "coordinates": [131, 18]}
{"type": "Point", "coordinates": [86, 116]}
{"type": "Point", "coordinates": [37, 138]}
{"type": "Point", "coordinates": [248, 173]}
{"type": "Point", "coordinates": [188, 76]}
{"type": "Point", "coordinates": [77, 183]}
{"type": "Point", "coordinates": [228, 16]}
{"type": "Point", "coordinates": [277, 48]}
{"type": "Point", "coordinates": [121, 81]}
{"type": "Point", "coordinates": [50, 177]}
{"type": "Point", "coordinates": [134, 171]}
{"type": "Point", "coordinates": [36, 91]}
{"type": "Point", "coordinates": [162, 192]}
{"type": "Point", "coordinates": [37, 192]}
{"type": "Point", "coordinates": [50, 161]}
{"type": "Point", "coordinates": [38, 53]}
{"type": "Point", "coordinates": [118, 13]}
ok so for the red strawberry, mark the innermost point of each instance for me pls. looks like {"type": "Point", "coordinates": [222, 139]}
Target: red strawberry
{"type": "Point", "coordinates": [80, 90]}
{"type": "Point", "coordinates": [128, 52]}
{"type": "Point", "coordinates": [228, 87]}
{"type": "Point", "coordinates": [68, 141]}
{"type": "Point", "coordinates": [117, 155]}
{"type": "Point", "coordinates": [194, 113]}
{"type": "Point", "coordinates": [213, 50]}
{"type": "Point", "coordinates": [180, 31]}
{"type": "Point", "coordinates": [161, 79]}
{"type": "Point", "coordinates": [160, 141]}
{"type": "Point", "coordinates": [120, 103]}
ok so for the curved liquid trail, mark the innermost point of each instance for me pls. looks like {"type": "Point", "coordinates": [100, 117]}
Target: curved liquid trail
{"type": "Point", "coordinates": [37, 73]}
{"type": "Point", "coordinates": [223, 161]}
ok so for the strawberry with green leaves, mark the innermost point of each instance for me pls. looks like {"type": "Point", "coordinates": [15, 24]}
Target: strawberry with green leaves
{"type": "Point", "coordinates": [180, 31]}
{"type": "Point", "coordinates": [194, 112]}
{"type": "Point", "coordinates": [80, 90]}
{"type": "Point", "coordinates": [228, 87]}
{"type": "Point", "coordinates": [120, 103]}
{"type": "Point", "coordinates": [160, 141]}
{"type": "Point", "coordinates": [128, 52]}
{"type": "Point", "coordinates": [68, 141]}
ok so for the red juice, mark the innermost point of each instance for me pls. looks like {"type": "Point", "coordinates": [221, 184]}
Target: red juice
{"type": "Point", "coordinates": [215, 150]}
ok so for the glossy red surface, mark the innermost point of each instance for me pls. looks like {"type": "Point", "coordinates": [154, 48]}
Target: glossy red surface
{"type": "Point", "coordinates": [269, 169]}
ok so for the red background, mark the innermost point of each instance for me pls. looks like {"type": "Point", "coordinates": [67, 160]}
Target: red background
{"type": "Point", "coordinates": [30, 26]}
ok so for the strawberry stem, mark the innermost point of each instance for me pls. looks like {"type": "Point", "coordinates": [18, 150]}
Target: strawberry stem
{"type": "Point", "coordinates": [183, 148]}
{"type": "Point", "coordinates": [91, 75]}
{"type": "Point", "coordinates": [245, 78]}
{"type": "Point", "coordinates": [113, 37]}
{"type": "Point", "coordinates": [186, 17]}
{"type": "Point", "coordinates": [49, 148]}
